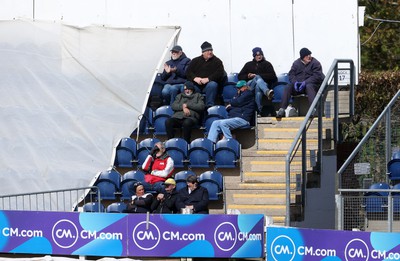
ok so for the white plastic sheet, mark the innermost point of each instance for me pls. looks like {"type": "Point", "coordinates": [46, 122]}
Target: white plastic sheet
{"type": "Point", "coordinates": [67, 95]}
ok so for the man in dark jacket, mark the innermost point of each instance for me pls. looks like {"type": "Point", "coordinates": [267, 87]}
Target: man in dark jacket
{"type": "Point", "coordinates": [166, 202]}
{"type": "Point", "coordinates": [240, 113]}
{"type": "Point", "coordinates": [305, 77]}
{"type": "Point", "coordinates": [206, 71]}
{"type": "Point", "coordinates": [193, 196]}
{"type": "Point", "coordinates": [188, 108]}
{"type": "Point", "coordinates": [260, 76]}
{"type": "Point", "coordinates": [174, 74]}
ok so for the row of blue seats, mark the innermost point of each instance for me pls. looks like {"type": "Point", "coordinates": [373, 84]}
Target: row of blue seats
{"type": "Point", "coordinates": [200, 153]}
{"type": "Point", "coordinates": [154, 121]}
{"type": "Point", "coordinates": [112, 185]}
{"type": "Point", "coordinates": [376, 201]}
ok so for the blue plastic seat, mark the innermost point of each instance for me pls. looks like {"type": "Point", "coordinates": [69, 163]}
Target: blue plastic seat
{"type": "Point", "coordinates": [216, 112]}
{"type": "Point", "coordinates": [160, 116]}
{"type": "Point", "coordinates": [232, 78]}
{"type": "Point", "coordinates": [93, 207]}
{"type": "Point", "coordinates": [201, 153]}
{"type": "Point", "coordinates": [127, 181]}
{"type": "Point", "coordinates": [180, 178]}
{"type": "Point", "coordinates": [396, 199]}
{"type": "Point", "coordinates": [227, 153]}
{"type": "Point", "coordinates": [228, 92]}
{"type": "Point", "coordinates": [177, 149]}
{"type": "Point", "coordinates": [213, 182]}
{"type": "Point", "coordinates": [116, 207]}
{"type": "Point", "coordinates": [376, 201]}
{"type": "Point", "coordinates": [393, 168]}
{"type": "Point", "coordinates": [396, 155]}
{"type": "Point", "coordinates": [145, 122]}
{"type": "Point", "coordinates": [125, 154]}
{"type": "Point", "coordinates": [143, 149]}
{"type": "Point", "coordinates": [283, 78]}
{"type": "Point", "coordinates": [108, 183]}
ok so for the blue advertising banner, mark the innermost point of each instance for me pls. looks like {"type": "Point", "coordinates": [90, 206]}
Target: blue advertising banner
{"type": "Point", "coordinates": [135, 235]}
{"type": "Point", "coordinates": [284, 244]}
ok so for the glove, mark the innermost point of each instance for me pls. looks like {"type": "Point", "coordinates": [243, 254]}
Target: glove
{"type": "Point", "coordinates": [296, 86]}
{"type": "Point", "coordinates": [154, 151]}
{"type": "Point", "coordinates": [302, 86]}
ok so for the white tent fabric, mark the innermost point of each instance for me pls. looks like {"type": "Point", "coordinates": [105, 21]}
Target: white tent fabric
{"type": "Point", "coordinates": [67, 96]}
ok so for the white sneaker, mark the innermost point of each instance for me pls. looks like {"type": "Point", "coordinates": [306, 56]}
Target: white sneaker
{"type": "Point", "coordinates": [291, 111]}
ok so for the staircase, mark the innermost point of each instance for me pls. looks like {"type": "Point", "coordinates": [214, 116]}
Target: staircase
{"type": "Point", "coordinates": [261, 187]}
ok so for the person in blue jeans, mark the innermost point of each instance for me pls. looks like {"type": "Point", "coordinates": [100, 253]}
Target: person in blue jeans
{"type": "Point", "coordinates": [174, 74]}
{"type": "Point", "coordinates": [240, 113]}
{"type": "Point", "coordinates": [260, 76]}
{"type": "Point", "coordinates": [207, 73]}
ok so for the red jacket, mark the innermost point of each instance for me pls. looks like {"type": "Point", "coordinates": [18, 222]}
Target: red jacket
{"type": "Point", "coordinates": [162, 168]}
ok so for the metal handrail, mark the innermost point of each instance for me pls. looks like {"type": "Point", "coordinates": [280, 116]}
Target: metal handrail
{"type": "Point", "coordinates": [66, 199]}
{"type": "Point", "coordinates": [301, 134]}
{"type": "Point", "coordinates": [368, 134]}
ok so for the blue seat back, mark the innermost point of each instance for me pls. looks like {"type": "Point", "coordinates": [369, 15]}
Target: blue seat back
{"type": "Point", "coordinates": [227, 153]}
{"type": "Point", "coordinates": [125, 153]}
{"type": "Point", "coordinates": [145, 122]}
{"type": "Point", "coordinates": [127, 181]}
{"type": "Point", "coordinates": [160, 116]}
{"type": "Point", "coordinates": [201, 152]}
{"type": "Point", "coordinates": [283, 78]}
{"type": "Point", "coordinates": [144, 147]}
{"type": "Point", "coordinates": [380, 185]}
{"type": "Point", "coordinates": [180, 178]}
{"type": "Point", "coordinates": [116, 207]}
{"type": "Point", "coordinates": [177, 149]}
{"type": "Point", "coordinates": [232, 78]}
{"type": "Point", "coordinates": [228, 92]}
{"type": "Point", "coordinates": [213, 182]}
{"type": "Point", "coordinates": [93, 207]}
{"type": "Point", "coordinates": [108, 183]}
{"type": "Point", "coordinates": [393, 168]}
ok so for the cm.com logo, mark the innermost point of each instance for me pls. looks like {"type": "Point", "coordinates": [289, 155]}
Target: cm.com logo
{"type": "Point", "coordinates": [225, 236]}
{"type": "Point", "coordinates": [64, 233]}
{"type": "Point", "coordinates": [146, 235]}
{"type": "Point", "coordinates": [283, 249]}
{"type": "Point", "coordinates": [356, 250]}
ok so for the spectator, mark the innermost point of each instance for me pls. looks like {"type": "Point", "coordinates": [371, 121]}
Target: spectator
{"type": "Point", "coordinates": [174, 74]}
{"type": "Point", "coordinates": [158, 166]}
{"type": "Point", "coordinates": [206, 71]}
{"type": "Point", "coordinates": [305, 77]}
{"type": "Point", "coordinates": [193, 196]}
{"type": "Point", "coordinates": [188, 108]}
{"type": "Point", "coordinates": [141, 201]}
{"type": "Point", "coordinates": [260, 76]}
{"type": "Point", "coordinates": [166, 202]}
{"type": "Point", "coordinates": [240, 113]}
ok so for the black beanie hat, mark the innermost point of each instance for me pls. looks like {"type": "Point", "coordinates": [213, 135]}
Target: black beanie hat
{"type": "Point", "coordinates": [206, 46]}
{"type": "Point", "coordinates": [257, 50]}
{"type": "Point", "coordinates": [189, 85]}
{"type": "Point", "coordinates": [304, 52]}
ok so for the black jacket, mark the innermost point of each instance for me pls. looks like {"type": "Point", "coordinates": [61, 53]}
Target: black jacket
{"type": "Point", "coordinates": [168, 205]}
{"type": "Point", "coordinates": [262, 68]}
{"type": "Point", "coordinates": [140, 204]}
{"type": "Point", "coordinates": [198, 198]}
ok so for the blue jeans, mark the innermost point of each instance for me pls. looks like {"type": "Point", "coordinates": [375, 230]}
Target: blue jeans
{"type": "Point", "coordinates": [210, 90]}
{"type": "Point", "coordinates": [170, 91]}
{"type": "Point", "coordinates": [225, 126]}
{"type": "Point", "coordinates": [260, 88]}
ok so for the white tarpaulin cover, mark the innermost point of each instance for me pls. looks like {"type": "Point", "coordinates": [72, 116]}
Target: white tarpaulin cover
{"type": "Point", "coordinates": [68, 95]}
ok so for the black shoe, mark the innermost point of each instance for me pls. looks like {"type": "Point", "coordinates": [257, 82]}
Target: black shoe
{"type": "Point", "coordinates": [280, 113]}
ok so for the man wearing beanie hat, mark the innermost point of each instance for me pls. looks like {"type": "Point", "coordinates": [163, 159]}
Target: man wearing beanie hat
{"type": "Point", "coordinates": [305, 77]}
{"type": "Point", "coordinates": [174, 74]}
{"type": "Point", "coordinates": [206, 72]}
{"type": "Point", "coordinates": [240, 113]}
{"type": "Point", "coordinates": [260, 76]}
{"type": "Point", "coordinates": [188, 108]}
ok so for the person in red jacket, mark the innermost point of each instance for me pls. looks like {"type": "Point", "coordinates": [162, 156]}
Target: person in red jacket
{"type": "Point", "coordinates": [158, 166]}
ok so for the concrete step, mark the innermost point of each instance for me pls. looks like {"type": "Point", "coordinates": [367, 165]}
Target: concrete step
{"type": "Point", "coordinates": [258, 198]}
{"type": "Point", "coordinates": [284, 133]}
{"type": "Point", "coordinates": [264, 176]}
{"type": "Point", "coordinates": [269, 210]}
{"type": "Point", "coordinates": [268, 166]}
{"type": "Point", "coordinates": [284, 144]}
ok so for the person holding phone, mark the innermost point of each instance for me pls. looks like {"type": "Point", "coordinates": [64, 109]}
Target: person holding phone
{"type": "Point", "coordinates": [158, 166]}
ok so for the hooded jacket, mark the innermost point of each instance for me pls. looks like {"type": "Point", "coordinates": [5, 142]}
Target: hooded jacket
{"type": "Point", "coordinates": [179, 76]}
{"type": "Point", "coordinates": [194, 103]}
